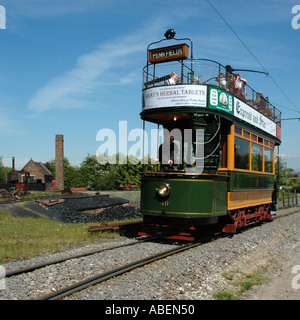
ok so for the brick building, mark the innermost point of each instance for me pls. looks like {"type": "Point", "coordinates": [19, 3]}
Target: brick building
{"type": "Point", "coordinates": [39, 175]}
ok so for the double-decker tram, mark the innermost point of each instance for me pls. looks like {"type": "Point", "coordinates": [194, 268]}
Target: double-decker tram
{"type": "Point", "coordinates": [216, 165]}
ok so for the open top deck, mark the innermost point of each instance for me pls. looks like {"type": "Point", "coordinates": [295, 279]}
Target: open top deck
{"type": "Point", "coordinates": [204, 85]}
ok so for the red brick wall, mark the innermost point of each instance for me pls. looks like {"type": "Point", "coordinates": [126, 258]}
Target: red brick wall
{"type": "Point", "coordinates": [34, 171]}
{"type": "Point", "coordinates": [59, 161]}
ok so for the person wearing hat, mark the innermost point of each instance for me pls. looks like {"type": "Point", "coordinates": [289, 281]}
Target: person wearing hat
{"type": "Point", "coordinates": [260, 102]}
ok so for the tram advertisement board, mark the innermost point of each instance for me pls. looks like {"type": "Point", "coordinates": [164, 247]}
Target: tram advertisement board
{"type": "Point", "coordinates": [175, 96]}
{"type": "Point", "coordinates": [252, 116]}
{"type": "Point", "coordinates": [218, 99]}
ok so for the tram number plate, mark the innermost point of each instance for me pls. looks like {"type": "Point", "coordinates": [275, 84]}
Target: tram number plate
{"type": "Point", "coordinates": [165, 203]}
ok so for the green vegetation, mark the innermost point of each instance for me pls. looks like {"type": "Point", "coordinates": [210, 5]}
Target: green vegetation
{"type": "Point", "coordinates": [22, 238]}
{"type": "Point", "coordinates": [98, 174]}
{"type": "Point", "coordinates": [241, 283]}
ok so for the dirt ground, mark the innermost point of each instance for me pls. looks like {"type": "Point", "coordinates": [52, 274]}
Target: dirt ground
{"type": "Point", "coordinates": [284, 276]}
{"type": "Point", "coordinates": [285, 285]}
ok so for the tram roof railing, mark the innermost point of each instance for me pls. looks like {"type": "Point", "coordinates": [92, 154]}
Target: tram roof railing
{"type": "Point", "coordinates": [205, 71]}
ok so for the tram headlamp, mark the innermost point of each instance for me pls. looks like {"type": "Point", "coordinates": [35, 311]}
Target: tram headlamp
{"type": "Point", "coordinates": [164, 190]}
{"type": "Point", "coordinates": [170, 34]}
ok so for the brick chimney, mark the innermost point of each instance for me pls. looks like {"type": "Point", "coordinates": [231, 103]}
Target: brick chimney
{"type": "Point", "coordinates": [59, 161]}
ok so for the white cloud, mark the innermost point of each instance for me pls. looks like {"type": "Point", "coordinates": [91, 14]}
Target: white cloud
{"type": "Point", "coordinates": [71, 89]}
{"type": "Point", "coordinates": [288, 156]}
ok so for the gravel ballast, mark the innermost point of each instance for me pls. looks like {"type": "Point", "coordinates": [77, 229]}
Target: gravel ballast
{"type": "Point", "coordinates": [196, 274]}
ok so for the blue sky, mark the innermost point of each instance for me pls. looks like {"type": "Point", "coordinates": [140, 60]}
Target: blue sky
{"type": "Point", "coordinates": [75, 67]}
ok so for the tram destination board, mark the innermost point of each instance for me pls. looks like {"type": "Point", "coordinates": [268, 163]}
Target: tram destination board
{"type": "Point", "coordinates": [177, 52]}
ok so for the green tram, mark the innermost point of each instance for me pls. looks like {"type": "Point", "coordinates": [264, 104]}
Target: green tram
{"type": "Point", "coordinates": [216, 165]}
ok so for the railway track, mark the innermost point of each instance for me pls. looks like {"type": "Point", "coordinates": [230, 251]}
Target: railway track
{"type": "Point", "coordinates": [80, 285]}
{"type": "Point", "coordinates": [115, 272]}
{"type": "Point", "coordinates": [103, 276]}
{"type": "Point", "coordinates": [88, 253]}
{"type": "Point", "coordinates": [290, 211]}
{"type": "Point", "coordinates": [128, 267]}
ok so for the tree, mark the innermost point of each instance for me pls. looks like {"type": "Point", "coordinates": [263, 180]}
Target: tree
{"type": "Point", "coordinates": [91, 171]}
{"type": "Point", "coordinates": [108, 181]}
{"type": "Point", "coordinates": [101, 173]}
{"type": "Point", "coordinates": [72, 176]}
{"type": "Point", "coordinates": [2, 171]}
{"type": "Point", "coordinates": [284, 175]}
{"type": "Point", "coordinates": [130, 173]}
{"type": "Point", "coordinates": [51, 167]}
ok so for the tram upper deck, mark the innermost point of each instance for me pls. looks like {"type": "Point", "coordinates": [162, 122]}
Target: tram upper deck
{"type": "Point", "coordinates": [199, 84]}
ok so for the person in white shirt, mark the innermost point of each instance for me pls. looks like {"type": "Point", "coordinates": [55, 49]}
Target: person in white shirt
{"type": "Point", "coordinates": [222, 81]}
{"type": "Point", "coordinates": [173, 79]}
{"type": "Point", "coordinates": [239, 85]}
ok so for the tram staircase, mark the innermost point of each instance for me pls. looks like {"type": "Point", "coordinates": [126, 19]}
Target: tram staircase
{"type": "Point", "coordinates": [211, 151]}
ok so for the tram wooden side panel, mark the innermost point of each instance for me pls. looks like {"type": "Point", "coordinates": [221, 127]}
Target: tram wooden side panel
{"type": "Point", "coordinates": [249, 189]}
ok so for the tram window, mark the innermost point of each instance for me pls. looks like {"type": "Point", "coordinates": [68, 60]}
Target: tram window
{"type": "Point", "coordinates": [241, 154]}
{"type": "Point", "coordinates": [266, 142]}
{"type": "Point", "coordinates": [256, 157]}
{"type": "Point", "coordinates": [268, 160]}
{"type": "Point", "coordinates": [238, 130]}
{"type": "Point", "coordinates": [246, 134]}
{"type": "Point", "coordinates": [253, 137]}
{"type": "Point", "coordinates": [260, 140]}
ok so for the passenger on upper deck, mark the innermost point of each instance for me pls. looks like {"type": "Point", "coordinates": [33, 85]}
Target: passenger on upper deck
{"type": "Point", "coordinates": [230, 81]}
{"type": "Point", "coordinates": [222, 81]}
{"type": "Point", "coordinates": [239, 86]}
{"type": "Point", "coordinates": [260, 102]}
{"type": "Point", "coordinates": [172, 80]}
{"type": "Point", "coordinates": [196, 80]}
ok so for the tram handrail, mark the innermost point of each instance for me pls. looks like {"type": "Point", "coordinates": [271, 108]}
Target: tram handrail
{"type": "Point", "coordinates": [190, 71]}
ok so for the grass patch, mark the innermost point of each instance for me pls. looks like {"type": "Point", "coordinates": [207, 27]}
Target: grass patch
{"type": "Point", "coordinates": [253, 279]}
{"type": "Point", "coordinates": [241, 283]}
{"type": "Point", "coordinates": [33, 194]}
{"type": "Point", "coordinates": [22, 238]}
{"type": "Point", "coordinates": [225, 295]}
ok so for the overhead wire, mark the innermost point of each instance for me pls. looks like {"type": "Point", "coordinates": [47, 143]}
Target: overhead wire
{"type": "Point", "coordinates": [256, 59]}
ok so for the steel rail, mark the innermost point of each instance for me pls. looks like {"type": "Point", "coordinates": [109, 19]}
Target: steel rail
{"type": "Point", "coordinates": [296, 209]}
{"type": "Point", "coordinates": [48, 263]}
{"type": "Point", "coordinates": [59, 294]}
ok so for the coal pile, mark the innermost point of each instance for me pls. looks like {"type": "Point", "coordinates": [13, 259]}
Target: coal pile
{"type": "Point", "coordinates": [94, 209]}
{"type": "Point", "coordinates": [77, 209]}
